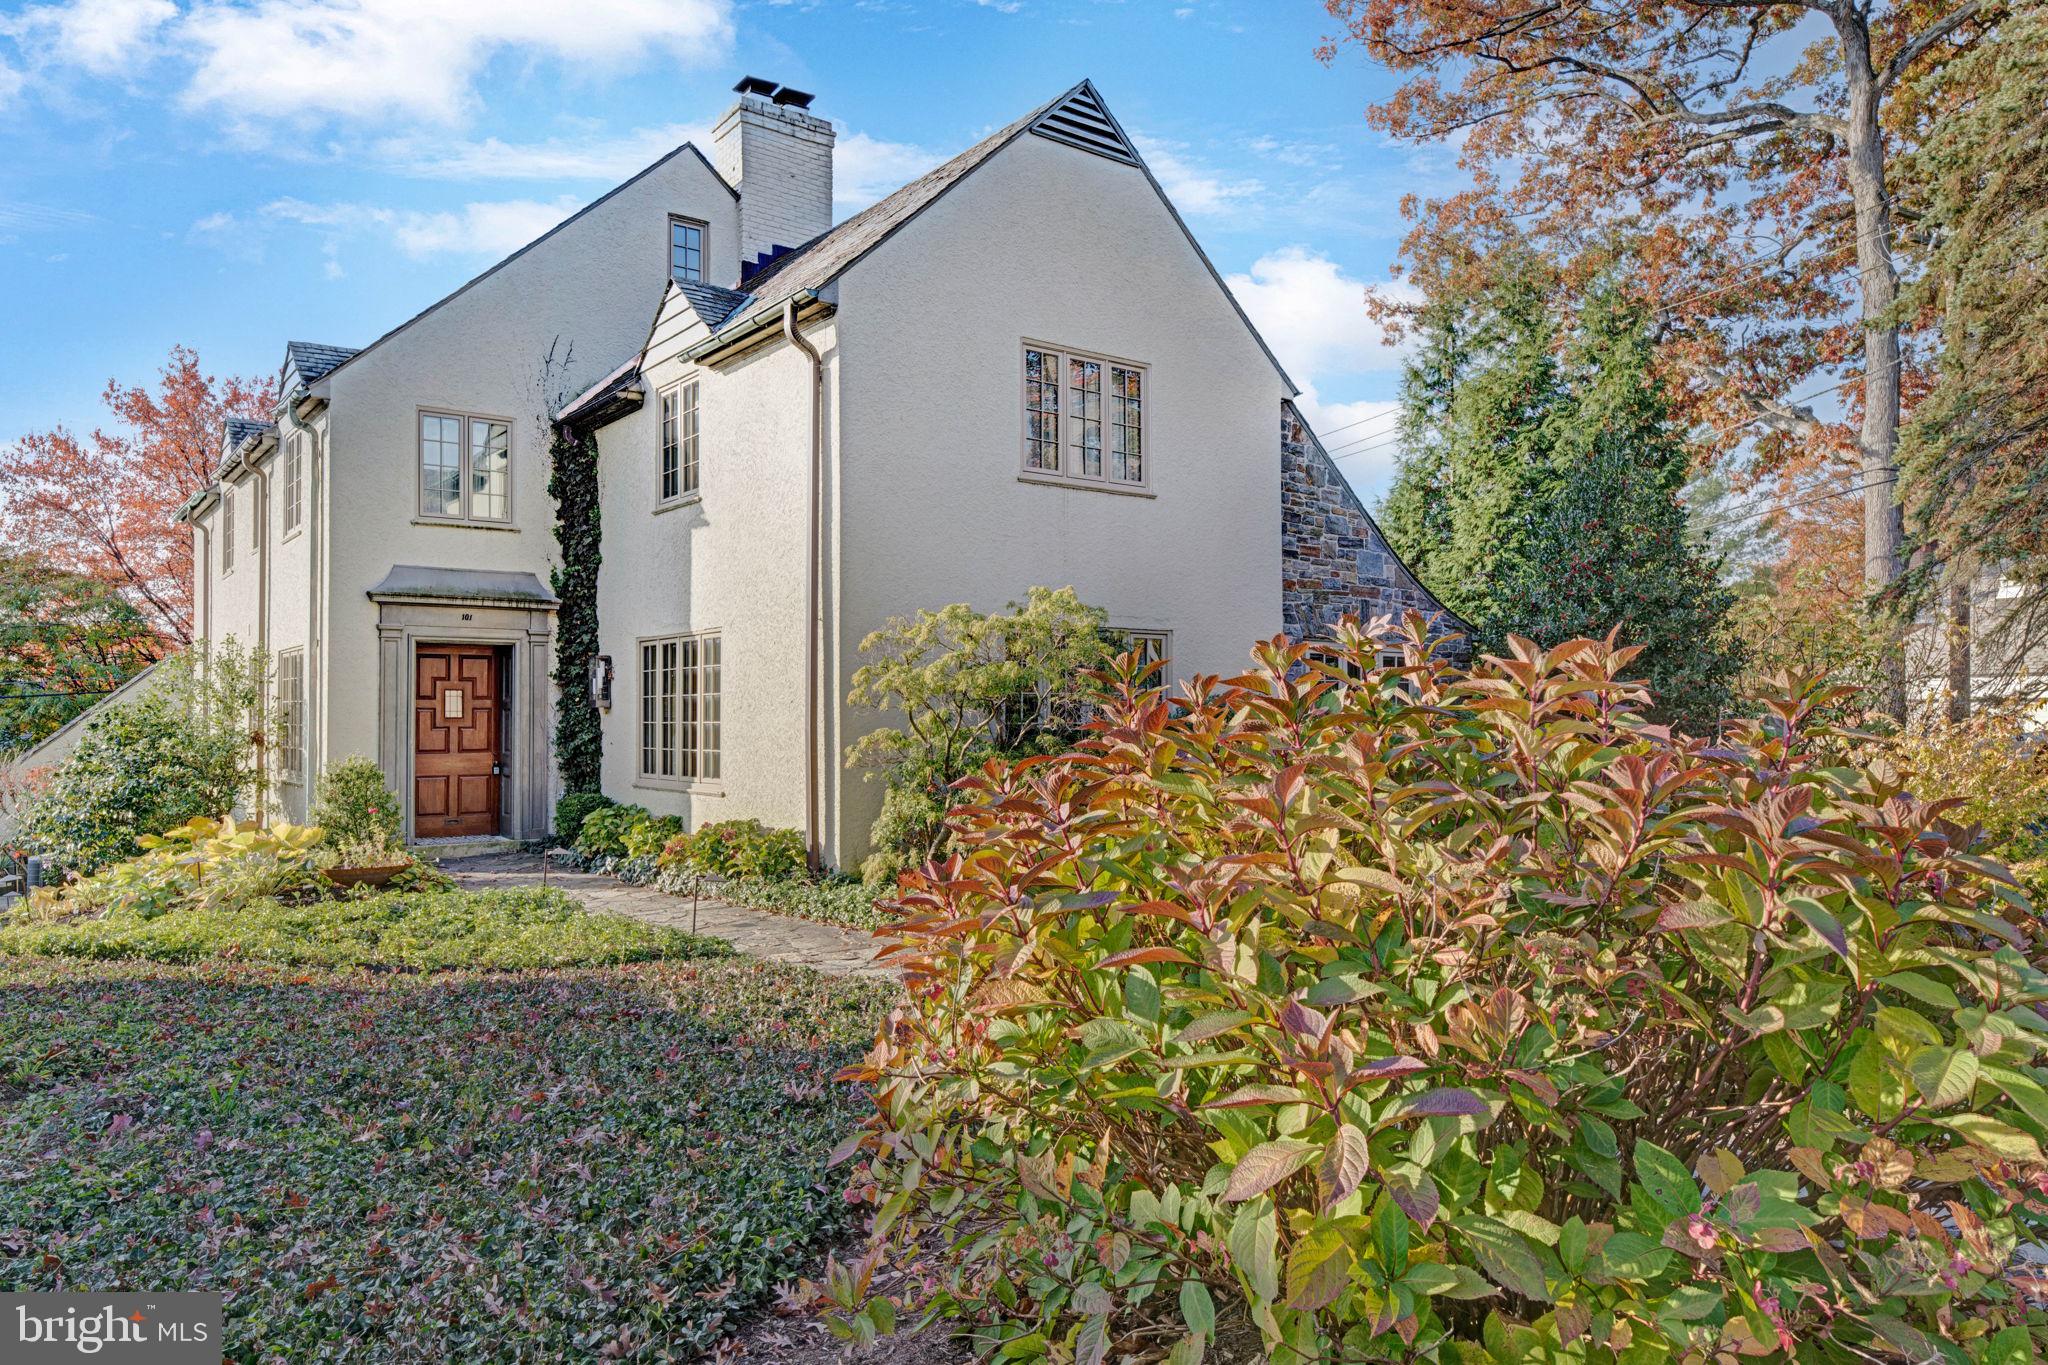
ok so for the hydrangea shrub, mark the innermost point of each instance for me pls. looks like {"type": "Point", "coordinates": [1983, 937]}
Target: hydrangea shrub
{"type": "Point", "coordinates": [1338, 1012]}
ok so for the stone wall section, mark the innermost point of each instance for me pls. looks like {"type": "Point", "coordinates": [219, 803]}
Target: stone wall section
{"type": "Point", "coordinates": [1334, 561]}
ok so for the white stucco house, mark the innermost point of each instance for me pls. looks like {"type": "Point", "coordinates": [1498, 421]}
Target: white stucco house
{"type": "Point", "coordinates": [1018, 370]}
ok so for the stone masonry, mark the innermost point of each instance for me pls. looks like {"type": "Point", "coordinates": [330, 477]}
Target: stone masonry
{"type": "Point", "coordinates": [1334, 561]}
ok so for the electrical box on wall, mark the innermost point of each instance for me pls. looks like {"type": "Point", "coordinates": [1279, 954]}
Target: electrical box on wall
{"type": "Point", "coordinates": [601, 681]}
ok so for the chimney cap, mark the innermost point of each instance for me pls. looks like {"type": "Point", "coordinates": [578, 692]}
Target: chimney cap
{"type": "Point", "coordinates": [793, 97]}
{"type": "Point", "coordinates": [754, 85]}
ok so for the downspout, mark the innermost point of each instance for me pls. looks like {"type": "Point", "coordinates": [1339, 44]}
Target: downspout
{"type": "Point", "coordinates": [261, 543]}
{"type": "Point", "coordinates": [812, 834]}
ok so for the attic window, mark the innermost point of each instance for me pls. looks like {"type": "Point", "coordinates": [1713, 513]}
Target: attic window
{"type": "Point", "coordinates": [685, 251]}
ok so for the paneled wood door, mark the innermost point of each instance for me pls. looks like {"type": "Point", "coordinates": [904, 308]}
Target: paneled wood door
{"type": "Point", "coordinates": [458, 708]}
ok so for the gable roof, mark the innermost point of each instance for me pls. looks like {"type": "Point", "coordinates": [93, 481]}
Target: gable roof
{"type": "Point", "coordinates": [1077, 118]}
{"type": "Point", "coordinates": [313, 359]}
{"type": "Point", "coordinates": [825, 257]}
{"type": "Point", "coordinates": [593, 205]}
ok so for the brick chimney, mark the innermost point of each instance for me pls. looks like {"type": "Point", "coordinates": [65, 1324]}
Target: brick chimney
{"type": "Point", "coordinates": [778, 155]}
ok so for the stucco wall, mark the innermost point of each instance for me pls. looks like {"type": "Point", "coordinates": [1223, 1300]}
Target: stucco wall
{"type": "Point", "coordinates": [731, 560]}
{"type": "Point", "coordinates": [585, 297]}
{"type": "Point", "coordinates": [1049, 243]}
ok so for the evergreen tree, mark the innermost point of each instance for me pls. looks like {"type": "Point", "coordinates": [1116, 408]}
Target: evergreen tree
{"type": "Point", "coordinates": [1544, 500]}
{"type": "Point", "coordinates": [1480, 403]}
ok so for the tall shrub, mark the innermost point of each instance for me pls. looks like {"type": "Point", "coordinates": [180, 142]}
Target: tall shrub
{"type": "Point", "coordinates": [962, 685]}
{"type": "Point", "coordinates": [1353, 1013]}
{"type": "Point", "coordinates": [191, 747]}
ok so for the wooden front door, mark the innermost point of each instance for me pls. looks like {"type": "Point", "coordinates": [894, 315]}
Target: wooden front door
{"type": "Point", "coordinates": [458, 708]}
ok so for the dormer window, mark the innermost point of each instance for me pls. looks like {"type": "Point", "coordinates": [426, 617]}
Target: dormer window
{"type": "Point", "coordinates": [685, 251]}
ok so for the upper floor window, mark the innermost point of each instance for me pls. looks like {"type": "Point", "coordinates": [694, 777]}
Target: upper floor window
{"type": "Point", "coordinates": [685, 250]}
{"type": "Point", "coordinates": [679, 442]}
{"type": "Point", "coordinates": [680, 723]}
{"type": "Point", "coordinates": [465, 467]}
{"type": "Point", "coordinates": [1084, 417]}
{"type": "Point", "coordinates": [227, 528]}
{"type": "Point", "coordinates": [294, 481]}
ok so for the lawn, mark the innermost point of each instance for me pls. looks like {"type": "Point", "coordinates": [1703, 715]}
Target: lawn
{"type": "Point", "coordinates": [420, 931]}
{"type": "Point", "coordinates": [564, 1163]}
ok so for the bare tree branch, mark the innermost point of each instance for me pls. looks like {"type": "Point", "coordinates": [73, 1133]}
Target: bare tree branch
{"type": "Point", "coordinates": [1926, 38]}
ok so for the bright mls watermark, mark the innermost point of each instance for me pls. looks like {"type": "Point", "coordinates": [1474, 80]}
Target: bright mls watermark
{"type": "Point", "coordinates": [162, 1329]}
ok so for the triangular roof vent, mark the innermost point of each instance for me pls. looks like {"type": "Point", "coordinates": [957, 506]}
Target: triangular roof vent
{"type": "Point", "coordinates": [1079, 120]}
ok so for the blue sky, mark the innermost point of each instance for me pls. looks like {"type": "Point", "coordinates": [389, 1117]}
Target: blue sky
{"type": "Point", "coordinates": [233, 173]}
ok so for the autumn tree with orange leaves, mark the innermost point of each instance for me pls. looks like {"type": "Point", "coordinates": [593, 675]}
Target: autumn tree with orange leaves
{"type": "Point", "coordinates": [1739, 152]}
{"type": "Point", "coordinates": [102, 505]}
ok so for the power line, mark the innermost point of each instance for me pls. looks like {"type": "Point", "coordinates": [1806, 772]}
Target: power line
{"type": "Point", "coordinates": [35, 696]}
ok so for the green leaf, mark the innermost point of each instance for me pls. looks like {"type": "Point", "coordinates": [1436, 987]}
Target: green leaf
{"type": "Point", "coordinates": [1630, 1256]}
{"type": "Point", "coordinates": [1571, 1243]}
{"type": "Point", "coordinates": [2010, 1347]}
{"type": "Point", "coordinates": [1823, 922]}
{"type": "Point", "coordinates": [1265, 1166]}
{"type": "Point", "coordinates": [1211, 1026]}
{"type": "Point", "coordinates": [1197, 1309]}
{"type": "Point", "coordinates": [1108, 1041]}
{"type": "Point", "coordinates": [2000, 1139]}
{"type": "Point", "coordinates": [1505, 1257]}
{"type": "Point", "coordinates": [1945, 1076]}
{"type": "Point", "coordinates": [1254, 1249]}
{"type": "Point", "coordinates": [1665, 1178]}
{"type": "Point", "coordinates": [1925, 989]}
{"type": "Point", "coordinates": [1318, 1268]}
{"type": "Point", "coordinates": [1390, 1238]}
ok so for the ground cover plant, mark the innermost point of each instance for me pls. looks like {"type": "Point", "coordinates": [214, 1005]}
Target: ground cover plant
{"type": "Point", "coordinates": [411, 931]}
{"type": "Point", "coordinates": [561, 1165]}
{"type": "Point", "coordinates": [1347, 1013]}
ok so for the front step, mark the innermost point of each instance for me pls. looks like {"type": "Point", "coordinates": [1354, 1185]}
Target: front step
{"type": "Point", "coordinates": [462, 846]}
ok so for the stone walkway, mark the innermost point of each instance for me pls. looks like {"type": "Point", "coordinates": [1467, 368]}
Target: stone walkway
{"type": "Point", "coordinates": [778, 938]}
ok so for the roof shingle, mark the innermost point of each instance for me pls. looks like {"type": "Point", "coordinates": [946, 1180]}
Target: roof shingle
{"type": "Point", "coordinates": [313, 359]}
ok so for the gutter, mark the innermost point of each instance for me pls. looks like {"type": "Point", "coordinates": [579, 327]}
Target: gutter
{"type": "Point", "coordinates": [722, 346]}
{"type": "Point", "coordinates": [812, 834]}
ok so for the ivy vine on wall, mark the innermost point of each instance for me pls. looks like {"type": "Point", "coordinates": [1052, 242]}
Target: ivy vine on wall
{"type": "Point", "coordinates": [572, 483]}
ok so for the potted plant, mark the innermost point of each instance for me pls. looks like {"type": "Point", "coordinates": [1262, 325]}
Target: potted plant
{"type": "Point", "coordinates": [356, 808]}
{"type": "Point", "coordinates": [366, 862]}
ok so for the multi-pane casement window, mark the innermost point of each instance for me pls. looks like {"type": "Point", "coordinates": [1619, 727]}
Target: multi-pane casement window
{"type": "Point", "coordinates": [294, 482]}
{"type": "Point", "coordinates": [679, 710]}
{"type": "Point", "coordinates": [227, 528]}
{"type": "Point", "coordinates": [291, 715]}
{"type": "Point", "coordinates": [685, 250]}
{"type": "Point", "coordinates": [1084, 417]}
{"type": "Point", "coordinates": [679, 442]}
{"type": "Point", "coordinates": [465, 467]}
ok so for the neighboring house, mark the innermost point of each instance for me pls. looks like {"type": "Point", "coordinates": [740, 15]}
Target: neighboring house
{"type": "Point", "coordinates": [1018, 370]}
{"type": "Point", "coordinates": [2006, 625]}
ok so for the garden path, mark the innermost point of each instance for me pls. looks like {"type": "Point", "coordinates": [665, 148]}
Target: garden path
{"type": "Point", "coordinates": [757, 933]}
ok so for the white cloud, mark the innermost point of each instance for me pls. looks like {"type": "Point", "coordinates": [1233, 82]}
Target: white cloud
{"type": "Point", "coordinates": [380, 60]}
{"type": "Point", "coordinates": [1191, 187]}
{"type": "Point", "coordinates": [104, 37]}
{"type": "Point", "coordinates": [1313, 315]}
{"type": "Point", "coordinates": [10, 84]}
{"type": "Point", "coordinates": [865, 169]}
{"type": "Point", "coordinates": [488, 229]}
